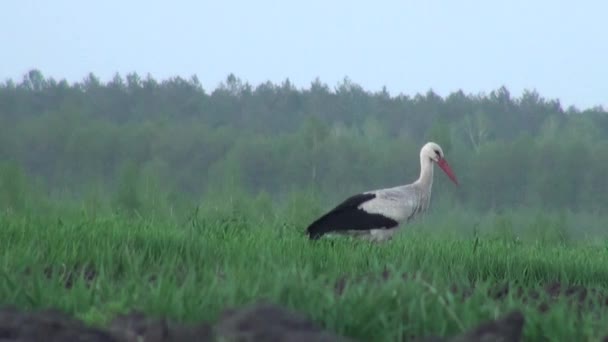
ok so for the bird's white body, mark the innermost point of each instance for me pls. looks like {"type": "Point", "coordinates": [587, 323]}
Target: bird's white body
{"type": "Point", "coordinates": [401, 203]}
{"type": "Point", "coordinates": [377, 214]}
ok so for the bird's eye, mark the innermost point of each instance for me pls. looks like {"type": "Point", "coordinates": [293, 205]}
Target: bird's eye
{"type": "Point", "coordinates": [437, 153]}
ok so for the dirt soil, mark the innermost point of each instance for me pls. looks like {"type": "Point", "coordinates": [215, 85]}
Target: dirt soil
{"type": "Point", "coordinates": [260, 322]}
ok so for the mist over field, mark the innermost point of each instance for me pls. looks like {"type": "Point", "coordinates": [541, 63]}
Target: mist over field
{"type": "Point", "coordinates": [163, 147]}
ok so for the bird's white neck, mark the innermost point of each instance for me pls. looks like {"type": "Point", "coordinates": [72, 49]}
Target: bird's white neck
{"type": "Point", "coordinates": [426, 172]}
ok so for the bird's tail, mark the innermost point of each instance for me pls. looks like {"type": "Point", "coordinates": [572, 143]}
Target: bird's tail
{"type": "Point", "coordinates": [316, 230]}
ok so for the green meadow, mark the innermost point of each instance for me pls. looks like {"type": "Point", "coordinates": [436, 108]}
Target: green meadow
{"type": "Point", "coordinates": [427, 281]}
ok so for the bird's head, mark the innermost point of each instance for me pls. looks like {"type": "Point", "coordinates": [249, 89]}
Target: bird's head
{"type": "Point", "coordinates": [434, 152]}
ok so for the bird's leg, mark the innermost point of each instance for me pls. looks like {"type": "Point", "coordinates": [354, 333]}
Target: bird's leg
{"type": "Point", "coordinates": [381, 235]}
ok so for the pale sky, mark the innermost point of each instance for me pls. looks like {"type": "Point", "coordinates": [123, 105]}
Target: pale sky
{"type": "Point", "coordinates": [559, 48]}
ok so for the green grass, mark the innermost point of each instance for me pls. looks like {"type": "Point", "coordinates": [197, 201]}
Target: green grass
{"type": "Point", "coordinates": [192, 270]}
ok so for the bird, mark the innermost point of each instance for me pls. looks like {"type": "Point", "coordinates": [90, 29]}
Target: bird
{"type": "Point", "coordinates": [375, 215]}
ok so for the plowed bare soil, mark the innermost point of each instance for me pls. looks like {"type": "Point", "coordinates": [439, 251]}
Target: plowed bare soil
{"type": "Point", "coordinates": [257, 323]}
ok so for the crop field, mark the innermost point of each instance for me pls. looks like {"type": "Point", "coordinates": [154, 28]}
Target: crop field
{"type": "Point", "coordinates": [428, 281]}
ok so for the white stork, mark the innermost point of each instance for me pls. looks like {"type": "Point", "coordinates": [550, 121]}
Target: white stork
{"type": "Point", "coordinates": [375, 215]}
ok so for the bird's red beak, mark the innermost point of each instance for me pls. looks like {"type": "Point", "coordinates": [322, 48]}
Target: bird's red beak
{"type": "Point", "coordinates": [443, 164]}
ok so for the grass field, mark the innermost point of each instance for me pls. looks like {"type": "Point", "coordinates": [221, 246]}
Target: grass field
{"type": "Point", "coordinates": [430, 280]}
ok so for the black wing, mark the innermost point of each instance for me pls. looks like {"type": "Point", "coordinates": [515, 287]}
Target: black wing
{"type": "Point", "coordinates": [347, 216]}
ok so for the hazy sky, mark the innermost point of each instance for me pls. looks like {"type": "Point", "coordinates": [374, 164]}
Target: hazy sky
{"type": "Point", "coordinates": [559, 48]}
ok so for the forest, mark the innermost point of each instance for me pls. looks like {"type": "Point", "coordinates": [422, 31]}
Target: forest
{"type": "Point", "coordinates": [136, 142]}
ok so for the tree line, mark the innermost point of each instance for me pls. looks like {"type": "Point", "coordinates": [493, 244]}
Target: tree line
{"type": "Point", "coordinates": [142, 137]}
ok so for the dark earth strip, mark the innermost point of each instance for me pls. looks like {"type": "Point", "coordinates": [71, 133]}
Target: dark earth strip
{"type": "Point", "coordinates": [260, 322]}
